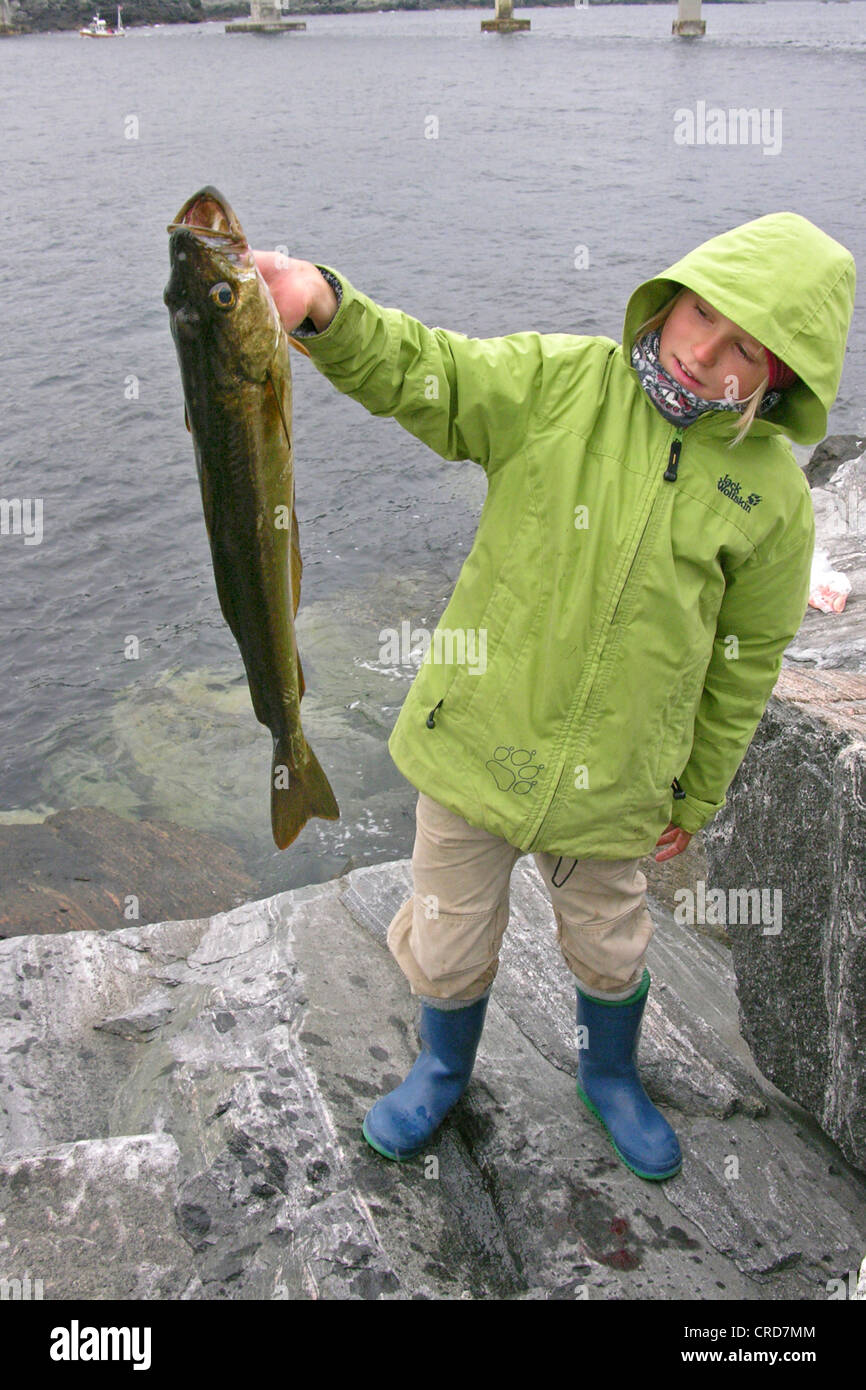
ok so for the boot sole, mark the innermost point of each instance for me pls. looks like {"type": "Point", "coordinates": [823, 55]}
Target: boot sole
{"type": "Point", "coordinates": [386, 1153]}
{"type": "Point", "coordinates": [652, 1177]}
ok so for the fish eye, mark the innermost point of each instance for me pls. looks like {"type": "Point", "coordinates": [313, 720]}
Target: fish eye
{"type": "Point", "coordinates": [223, 295]}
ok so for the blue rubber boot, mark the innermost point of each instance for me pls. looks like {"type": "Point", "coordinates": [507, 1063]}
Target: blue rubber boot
{"type": "Point", "coordinates": [609, 1085]}
{"type": "Point", "coordinates": [402, 1123]}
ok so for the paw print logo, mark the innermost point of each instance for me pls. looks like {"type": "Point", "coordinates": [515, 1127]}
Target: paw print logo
{"type": "Point", "coordinates": [753, 498]}
{"type": "Point", "coordinates": [513, 769]}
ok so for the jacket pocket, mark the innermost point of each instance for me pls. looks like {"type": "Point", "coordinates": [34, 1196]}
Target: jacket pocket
{"type": "Point", "coordinates": [480, 643]}
{"type": "Point", "coordinates": [678, 716]}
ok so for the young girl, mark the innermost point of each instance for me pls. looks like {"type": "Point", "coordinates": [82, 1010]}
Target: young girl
{"type": "Point", "coordinates": [641, 562]}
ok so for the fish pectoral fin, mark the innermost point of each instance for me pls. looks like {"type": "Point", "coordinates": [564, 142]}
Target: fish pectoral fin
{"type": "Point", "coordinates": [283, 402]}
{"type": "Point", "coordinates": [297, 793]}
{"type": "Point", "coordinates": [186, 418]}
{"type": "Point", "coordinates": [297, 564]}
{"type": "Point", "coordinates": [301, 683]}
{"type": "Point", "coordinates": [298, 346]}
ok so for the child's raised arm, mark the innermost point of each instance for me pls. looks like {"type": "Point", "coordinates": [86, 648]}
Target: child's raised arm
{"type": "Point", "coordinates": [466, 398]}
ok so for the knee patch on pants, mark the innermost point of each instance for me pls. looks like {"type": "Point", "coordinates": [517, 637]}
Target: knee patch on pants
{"type": "Point", "coordinates": [447, 954]}
{"type": "Point", "coordinates": [609, 957]}
{"type": "Point", "coordinates": [452, 946]}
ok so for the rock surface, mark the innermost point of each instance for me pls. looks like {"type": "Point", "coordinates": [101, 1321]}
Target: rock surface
{"type": "Point", "coordinates": [827, 456]}
{"type": "Point", "coordinates": [795, 821]}
{"type": "Point", "coordinates": [85, 869]}
{"type": "Point", "coordinates": [187, 1096]}
{"type": "Point", "coordinates": [838, 639]}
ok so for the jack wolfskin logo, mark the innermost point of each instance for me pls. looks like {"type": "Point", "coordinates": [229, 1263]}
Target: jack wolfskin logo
{"type": "Point", "coordinates": [731, 489]}
{"type": "Point", "coordinates": [513, 769]}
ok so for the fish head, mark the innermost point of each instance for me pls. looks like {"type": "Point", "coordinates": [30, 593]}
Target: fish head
{"type": "Point", "coordinates": [223, 316]}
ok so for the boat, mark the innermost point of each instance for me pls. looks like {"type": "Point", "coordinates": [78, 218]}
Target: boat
{"type": "Point", "coordinates": [99, 29]}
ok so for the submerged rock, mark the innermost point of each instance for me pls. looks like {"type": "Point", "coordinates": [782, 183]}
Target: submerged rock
{"type": "Point", "coordinates": [85, 869]}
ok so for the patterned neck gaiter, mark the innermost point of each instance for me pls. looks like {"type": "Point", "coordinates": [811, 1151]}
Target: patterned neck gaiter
{"type": "Point", "coordinates": [677, 403]}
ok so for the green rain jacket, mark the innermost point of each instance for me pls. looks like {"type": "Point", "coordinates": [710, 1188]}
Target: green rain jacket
{"type": "Point", "coordinates": [615, 632]}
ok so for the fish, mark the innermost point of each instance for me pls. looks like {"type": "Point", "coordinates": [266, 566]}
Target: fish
{"type": "Point", "coordinates": [233, 353]}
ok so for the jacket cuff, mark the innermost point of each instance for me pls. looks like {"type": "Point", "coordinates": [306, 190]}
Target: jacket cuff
{"type": "Point", "coordinates": [308, 329]}
{"type": "Point", "coordinates": [691, 814]}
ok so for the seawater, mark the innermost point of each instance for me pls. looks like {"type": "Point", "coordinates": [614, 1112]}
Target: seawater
{"type": "Point", "coordinates": [483, 183]}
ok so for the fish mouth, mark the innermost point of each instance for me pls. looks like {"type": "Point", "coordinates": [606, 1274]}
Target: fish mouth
{"type": "Point", "coordinates": [207, 244]}
{"type": "Point", "coordinates": [209, 214]}
{"type": "Point", "coordinates": [208, 219]}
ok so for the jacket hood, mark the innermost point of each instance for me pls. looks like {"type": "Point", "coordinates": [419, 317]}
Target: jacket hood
{"type": "Point", "coordinates": [789, 285]}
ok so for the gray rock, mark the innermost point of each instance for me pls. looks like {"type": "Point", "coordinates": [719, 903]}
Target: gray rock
{"type": "Point", "coordinates": [142, 1022]}
{"type": "Point", "coordinates": [827, 456]}
{"type": "Point", "coordinates": [795, 821]}
{"type": "Point", "coordinates": [838, 640]}
{"type": "Point", "coordinates": [192, 1092]}
{"type": "Point", "coordinates": [69, 1212]}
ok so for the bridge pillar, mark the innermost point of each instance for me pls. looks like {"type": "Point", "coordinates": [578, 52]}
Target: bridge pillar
{"type": "Point", "coordinates": [504, 23]}
{"type": "Point", "coordinates": [265, 18]}
{"type": "Point", "coordinates": [6, 25]}
{"type": "Point", "coordinates": [688, 22]}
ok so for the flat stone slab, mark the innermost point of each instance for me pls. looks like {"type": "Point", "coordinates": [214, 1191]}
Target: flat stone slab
{"type": "Point", "coordinates": [190, 1095]}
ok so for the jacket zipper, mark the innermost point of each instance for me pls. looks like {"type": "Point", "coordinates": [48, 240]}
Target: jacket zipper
{"type": "Point", "coordinates": [670, 476]}
{"type": "Point", "coordinates": [670, 473]}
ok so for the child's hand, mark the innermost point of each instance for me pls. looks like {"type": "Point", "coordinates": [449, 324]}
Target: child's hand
{"type": "Point", "coordinates": [676, 839]}
{"type": "Point", "coordinates": [299, 290]}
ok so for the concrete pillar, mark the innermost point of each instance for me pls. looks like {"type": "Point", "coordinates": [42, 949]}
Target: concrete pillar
{"type": "Point", "coordinates": [6, 25]}
{"type": "Point", "coordinates": [504, 23]}
{"type": "Point", "coordinates": [265, 18]}
{"type": "Point", "coordinates": [688, 22]}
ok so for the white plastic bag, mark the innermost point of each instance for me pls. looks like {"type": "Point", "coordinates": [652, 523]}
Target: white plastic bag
{"type": "Point", "coordinates": [828, 588]}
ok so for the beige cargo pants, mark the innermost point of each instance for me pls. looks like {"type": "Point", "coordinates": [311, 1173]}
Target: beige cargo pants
{"type": "Point", "coordinates": [446, 938]}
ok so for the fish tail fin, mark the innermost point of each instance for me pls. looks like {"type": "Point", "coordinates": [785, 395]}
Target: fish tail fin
{"type": "Point", "coordinates": [297, 794]}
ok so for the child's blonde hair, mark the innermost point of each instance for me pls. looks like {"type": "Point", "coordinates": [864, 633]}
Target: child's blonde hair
{"type": "Point", "coordinates": [747, 418]}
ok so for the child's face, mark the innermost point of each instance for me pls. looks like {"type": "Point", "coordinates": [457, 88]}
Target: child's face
{"type": "Point", "coordinates": [708, 353]}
